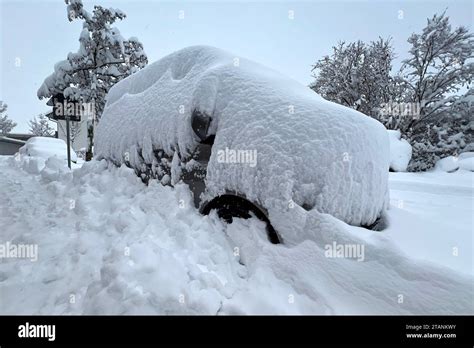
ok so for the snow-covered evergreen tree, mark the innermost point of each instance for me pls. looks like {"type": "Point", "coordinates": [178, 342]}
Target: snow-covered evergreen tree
{"type": "Point", "coordinates": [439, 67]}
{"type": "Point", "coordinates": [104, 57]}
{"type": "Point", "coordinates": [356, 75]}
{"type": "Point", "coordinates": [41, 127]}
{"type": "Point", "coordinates": [6, 125]}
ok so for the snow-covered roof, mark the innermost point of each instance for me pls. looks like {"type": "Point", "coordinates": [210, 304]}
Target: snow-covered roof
{"type": "Point", "coordinates": [310, 151]}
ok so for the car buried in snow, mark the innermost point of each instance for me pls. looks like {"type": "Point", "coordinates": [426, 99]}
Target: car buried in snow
{"type": "Point", "coordinates": [246, 140]}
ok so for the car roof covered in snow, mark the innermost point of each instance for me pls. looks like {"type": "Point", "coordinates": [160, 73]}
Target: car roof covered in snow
{"type": "Point", "coordinates": [46, 147]}
{"type": "Point", "coordinates": [310, 151]}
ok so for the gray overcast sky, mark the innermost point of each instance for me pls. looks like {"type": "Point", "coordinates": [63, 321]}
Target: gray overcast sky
{"type": "Point", "coordinates": [37, 34]}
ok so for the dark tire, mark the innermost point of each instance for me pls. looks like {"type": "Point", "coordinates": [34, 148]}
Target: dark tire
{"type": "Point", "coordinates": [229, 206]}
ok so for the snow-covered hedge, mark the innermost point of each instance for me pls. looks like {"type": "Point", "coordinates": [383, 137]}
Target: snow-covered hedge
{"type": "Point", "coordinates": [400, 152]}
{"type": "Point", "coordinates": [465, 161]}
{"type": "Point", "coordinates": [310, 152]}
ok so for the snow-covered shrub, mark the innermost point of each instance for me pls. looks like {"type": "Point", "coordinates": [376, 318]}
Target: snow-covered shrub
{"type": "Point", "coordinates": [467, 163]}
{"type": "Point", "coordinates": [450, 135]}
{"type": "Point", "coordinates": [448, 164]}
{"type": "Point", "coordinates": [356, 75]}
{"type": "Point", "coordinates": [464, 161]}
{"type": "Point", "coordinates": [400, 151]}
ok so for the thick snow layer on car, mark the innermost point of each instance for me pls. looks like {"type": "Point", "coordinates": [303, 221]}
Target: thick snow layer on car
{"type": "Point", "coordinates": [45, 147]}
{"type": "Point", "coordinates": [310, 152]}
{"type": "Point", "coordinates": [400, 151]}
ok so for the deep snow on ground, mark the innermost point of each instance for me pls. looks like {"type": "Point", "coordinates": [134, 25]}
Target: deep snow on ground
{"type": "Point", "coordinates": [109, 244]}
{"type": "Point", "coordinates": [431, 214]}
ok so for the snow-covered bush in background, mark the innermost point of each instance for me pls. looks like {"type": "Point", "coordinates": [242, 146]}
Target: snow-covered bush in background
{"type": "Point", "coordinates": [400, 151]}
{"type": "Point", "coordinates": [81, 153]}
{"type": "Point", "coordinates": [464, 161]}
{"type": "Point", "coordinates": [310, 152]}
{"type": "Point", "coordinates": [451, 133]}
{"type": "Point", "coordinates": [356, 75]}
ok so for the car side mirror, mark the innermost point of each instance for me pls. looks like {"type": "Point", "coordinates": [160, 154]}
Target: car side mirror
{"type": "Point", "coordinates": [200, 123]}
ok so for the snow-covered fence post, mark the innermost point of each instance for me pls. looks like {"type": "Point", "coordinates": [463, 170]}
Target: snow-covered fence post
{"type": "Point", "coordinates": [68, 140]}
{"type": "Point", "coordinates": [91, 123]}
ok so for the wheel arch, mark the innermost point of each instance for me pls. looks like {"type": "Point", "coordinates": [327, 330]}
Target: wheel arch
{"type": "Point", "coordinates": [236, 199]}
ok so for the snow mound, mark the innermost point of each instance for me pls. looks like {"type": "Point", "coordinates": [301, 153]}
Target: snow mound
{"type": "Point", "coordinates": [400, 151]}
{"type": "Point", "coordinates": [310, 152]}
{"type": "Point", "coordinates": [45, 147]}
{"type": "Point", "coordinates": [450, 164]}
{"type": "Point", "coordinates": [32, 165]}
{"type": "Point", "coordinates": [108, 244]}
{"type": "Point", "coordinates": [55, 169]}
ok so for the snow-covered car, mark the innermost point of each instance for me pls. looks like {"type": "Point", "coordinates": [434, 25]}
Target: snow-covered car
{"type": "Point", "coordinates": [245, 139]}
{"type": "Point", "coordinates": [45, 147]}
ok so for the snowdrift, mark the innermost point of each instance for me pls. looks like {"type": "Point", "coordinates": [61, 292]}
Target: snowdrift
{"type": "Point", "coordinates": [310, 152]}
{"type": "Point", "coordinates": [120, 247]}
